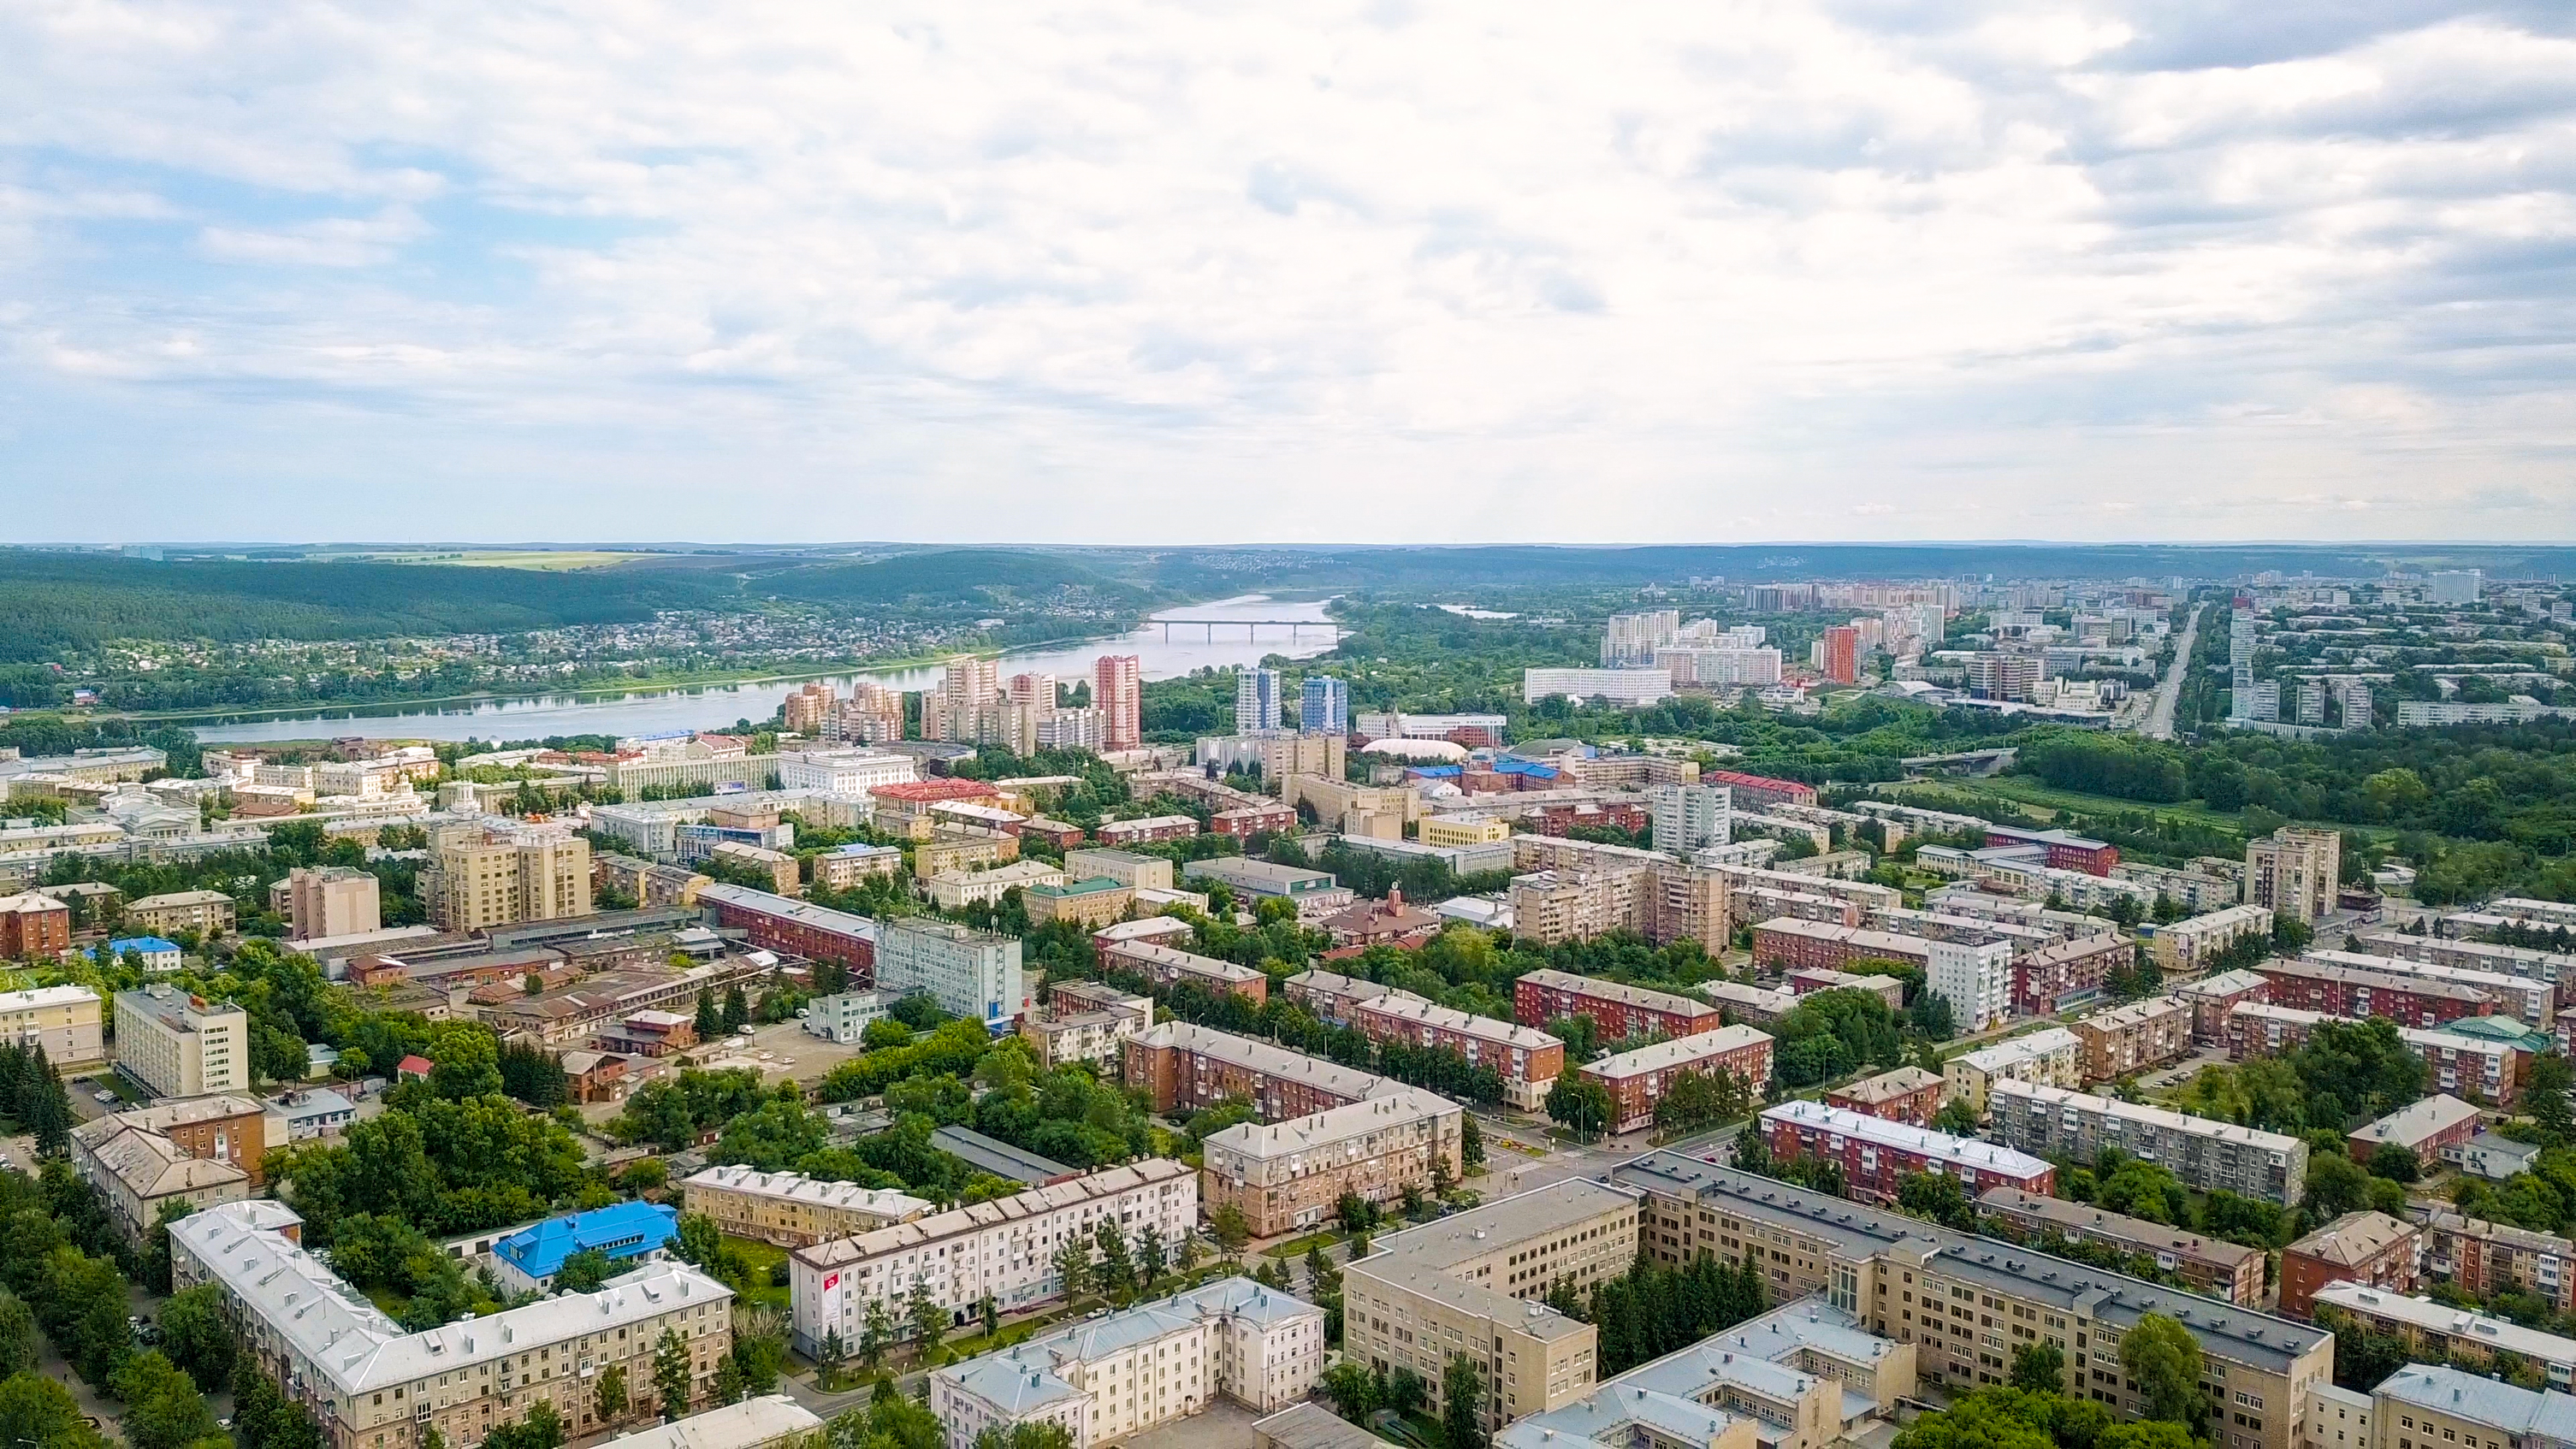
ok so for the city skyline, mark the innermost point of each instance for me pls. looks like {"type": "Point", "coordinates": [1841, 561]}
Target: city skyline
{"type": "Point", "coordinates": [1790, 271]}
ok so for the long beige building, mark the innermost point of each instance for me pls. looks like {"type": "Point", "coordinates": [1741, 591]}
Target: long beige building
{"type": "Point", "coordinates": [1474, 1283]}
{"type": "Point", "coordinates": [1004, 1250]}
{"type": "Point", "coordinates": [793, 1211]}
{"type": "Point", "coordinates": [64, 1020]}
{"type": "Point", "coordinates": [178, 1045]}
{"type": "Point", "coordinates": [1290, 1175]}
{"type": "Point", "coordinates": [2050, 1057]}
{"type": "Point", "coordinates": [370, 1385]}
{"type": "Point", "coordinates": [1967, 1302]}
{"type": "Point", "coordinates": [205, 912]}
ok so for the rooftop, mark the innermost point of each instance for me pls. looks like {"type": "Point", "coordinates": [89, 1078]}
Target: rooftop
{"type": "Point", "coordinates": [1419, 1259]}
{"type": "Point", "coordinates": [2004, 1055]}
{"type": "Point", "coordinates": [806, 913]}
{"type": "Point", "coordinates": [2354, 1238]}
{"type": "Point", "coordinates": [1888, 1086]}
{"type": "Point", "coordinates": [1001, 1159]}
{"type": "Point", "coordinates": [2525, 1415]}
{"type": "Point", "coordinates": [1905, 1137]}
{"type": "Point", "coordinates": [1637, 996]}
{"type": "Point", "coordinates": [2136, 1013]}
{"type": "Point", "coordinates": [2441, 1318]}
{"type": "Point", "coordinates": [1860, 1232]}
{"type": "Point", "coordinates": [1026, 1375]}
{"type": "Point", "coordinates": [2172, 1121]}
{"type": "Point", "coordinates": [1269, 1060]}
{"type": "Point", "coordinates": [975, 1217]}
{"type": "Point", "coordinates": [789, 1187]}
{"type": "Point", "coordinates": [621, 1230]}
{"type": "Point", "coordinates": [1332, 1125]}
{"type": "Point", "coordinates": [1154, 953]}
{"type": "Point", "coordinates": [734, 1426]}
{"type": "Point", "coordinates": [2418, 1122]}
{"type": "Point", "coordinates": [1680, 1051]}
{"type": "Point", "coordinates": [2075, 1218]}
{"type": "Point", "coordinates": [36, 996]}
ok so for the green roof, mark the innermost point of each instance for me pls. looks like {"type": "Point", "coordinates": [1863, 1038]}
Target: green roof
{"type": "Point", "coordinates": [1091, 887]}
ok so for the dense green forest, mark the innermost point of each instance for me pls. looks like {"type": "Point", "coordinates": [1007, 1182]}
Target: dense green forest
{"type": "Point", "coordinates": [56, 602]}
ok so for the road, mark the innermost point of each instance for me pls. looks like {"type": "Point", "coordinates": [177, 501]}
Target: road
{"type": "Point", "coordinates": [2160, 718]}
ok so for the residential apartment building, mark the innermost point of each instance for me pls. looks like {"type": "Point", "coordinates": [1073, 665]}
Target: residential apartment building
{"type": "Point", "coordinates": [1169, 965]}
{"type": "Point", "coordinates": [844, 867]}
{"type": "Point", "coordinates": [1751, 1005]}
{"type": "Point", "coordinates": [1808, 980]}
{"type": "Point", "coordinates": [2213, 999]}
{"type": "Point", "coordinates": [2368, 1248]}
{"type": "Point", "coordinates": [1136, 872]}
{"type": "Point", "coordinates": [2205, 1154]}
{"type": "Point", "coordinates": [370, 1384]}
{"type": "Point", "coordinates": [1965, 1302]}
{"type": "Point", "coordinates": [1528, 1060]}
{"type": "Point", "coordinates": [2184, 948]}
{"type": "Point", "coordinates": [325, 901]}
{"type": "Point", "coordinates": [2132, 1038]}
{"type": "Point", "coordinates": [844, 772]}
{"type": "Point", "coordinates": [178, 1045]}
{"type": "Point", "coordinates": [793, 1211]}
{"type": "Point", "coordinates": [499, 874]}
{"type": "Point", "coordinates": [1976, 978]}
{"type": "Point", "coordinates": [1004, 1250]}
{"type": "Point", "coordinates": [1621, 1012]}
{"type": "Point", "coordinates": [1292, 1175]}
{"type": "Point", "coordinates": [2056, 977]}
{"type": "Point", "coordinates": [2436, 1331]}
{"type": "Point", "coordinates": [1876, 1154]}
{"type": "Point", "coordinates": [208, 913]}
{"type": "Point", "coordinates": [1625, 688]}
{"type": "Point", "coordinates": [2229, 1272]}
{"type": "Point", "coordinates": [2294, 871]}
{"type": "Point", "coordinates": [137, 1172]}
{"type": "Point", "coordinates": [1474, 1283]}
{"type": "Point", "coordinates": [2522, 961]}
{"type": "Point", "coordinates": [63, 1021]}
{"type": "Point", "coordinates": [1140, 1368]}
{"type": "Point", "coordinates": [1795, 944]}
{"type": "Point", "coordinates": [34, 926]}
{"type": "Point", "coordinates": [1315, 893]}
{"type": "Point", "coordinates": [2425, 1127]}
{"type": "Point", "coordinates": [1118, 692]}
{"type": "Point", "coordinates": [2463, 1065]}
{"type": "Point", "coordinates": [970, 973]}
{"type": "Point", "coordinates": [2358, 992]}
{"type": "Point", "coordinates": [1907, 1094]}
{"type": "Point", "coordinates": [2049, 1057]}
{"type": "Point", "coordinates": [2481, 1258]}
{"type": "Point", "coordinates": [2421, 1400]}
{"type": "Point", "coordinates": [2532, 1000]}
{"type": "Point", "coordinates": [1449, 831]}
{"type": "Point", "coordinates": [1690, 817]}
{"type": "Point", "coordinates": [785, 876]}
{"type": "Point", "coordinates": [1089, 903]}
{"type": "Point", "coordinates": [1760, 792]}
{"type": "Point", "coordinates": [1324, 705]}
{"type": "Point", "coordinates": [956, 889]}
{"type": "Point", "coordinates": [1638, 1080]}
{"type": "Point", "coordinates": [1085, 1021]}
{"type": "Point", "coordinates": [1183, 1068]}
{"type": "Point", "coordinates": [790, 927]}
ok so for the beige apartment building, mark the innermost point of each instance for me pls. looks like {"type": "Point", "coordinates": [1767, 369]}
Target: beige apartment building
{"type": "Point", "coordinates": [1135, 872]}
{"type": "Point", "coordinates": [1473, 1283]}
{"type": "Point", "coordinates": [373, 1386]}
{"type": "Point", "coordinates": [793, 1211]}
{"type": "Point", "coordinates": [2294, 872]}
{"type": "Point", "coordinates": [178, 1045]}
{"type": "Point", "coordinates": [2131, 1038]}
{"type": "Point", "coordinates": [332, 900]}
{"type": "Point", "coordinates": [1454, 830]}
{"type": "Point", "coordinates": [2183, 948]}
{"type": "Point", "coordinates": [1292, 1175]}
{"type": "Point", "coordinates": [2051, 1057]}
{"type": "Point", "coordinates": [207, 913]}
{"type": "Point", "coordinates": [64, 1020]}
{"type": "Point", "coordinates": [1967, 1302]}
{"type": "Point", "coordinates": [481, 876]}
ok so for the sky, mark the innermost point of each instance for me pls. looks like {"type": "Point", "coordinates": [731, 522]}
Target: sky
{"type": "Point", "coordinates": [1388, 271]}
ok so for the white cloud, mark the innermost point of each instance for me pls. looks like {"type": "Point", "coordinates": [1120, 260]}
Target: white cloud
{"type": "Point", "coordinates": [1753, 268]}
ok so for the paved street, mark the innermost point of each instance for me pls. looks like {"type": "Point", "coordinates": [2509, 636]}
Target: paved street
{"type": "Point", "coordinates": [2160, 719]}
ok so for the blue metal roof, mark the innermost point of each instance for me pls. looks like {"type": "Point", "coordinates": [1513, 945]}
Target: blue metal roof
{"type": "Point", "coordinates": [623, 1230]}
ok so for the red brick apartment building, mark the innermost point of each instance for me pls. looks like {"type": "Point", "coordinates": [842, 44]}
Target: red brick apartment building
{"type": "Point", "coordinates": [1876, 1155]}
{"type": "Point", "coordinates": [797, 928]}
{"type": "Point", "coordinates": [1797, 945]}
{"type": "Point", "coordinates": [2356, 992]}
{"type": "Point", "coordinates": [1187, 1067]}
{"type": "Point", "coordinates": [2049, 979]}
{"type": "Point", "coordinates": [1528, 1060]}
{"type": "Point", "coordinates": [2213, 999]}
{"type": "Point", "coordinates": [1755, 792]}
{"type": "Point", "coordinates": [1909, 1094]}
{"type": "Point", "coordinates": [2065, 852]}
{"type": "Point", "coordinates": [2371, 1249]}
{"type": "Point", "coordinates": [1165, 965]}
{"type": "Point", "coordinates": [34, 924]}
{"type": "Point", "coordinates": [1639, 1079]}
{"type": "Point", "coordinates": [1626, 815]}
{"type": "Point", "coordinates": [1619, 1011]}
{"type": "Point", "coordinates": [2481, 1257]}
{"type": "Point", "coordinates": [1247, 821]}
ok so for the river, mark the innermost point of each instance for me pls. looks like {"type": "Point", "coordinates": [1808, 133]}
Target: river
{"type": "Point", "coordinates": [713, 706]}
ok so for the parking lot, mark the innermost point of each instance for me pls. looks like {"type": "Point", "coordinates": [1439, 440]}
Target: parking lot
{"type": "Point", "coordinates": [781, 1052]}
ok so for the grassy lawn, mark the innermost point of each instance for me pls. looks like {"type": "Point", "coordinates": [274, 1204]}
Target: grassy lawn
{"type": "Point", "coordinates": [1296, 1247]}
{"type": "Point", "coordinates": [111, 1082]}
{"type": "Point", "coordinates": [762, 1257]}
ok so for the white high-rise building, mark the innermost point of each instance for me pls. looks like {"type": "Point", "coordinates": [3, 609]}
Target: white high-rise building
{"type": "Point", "coordinates": [2240, 664]}
{"type": "Point", "coordinates": [1256, 700]}
{"type": "Point", "coordinates": [1324, 706]}
{"type": "Point", "coordinates": [1631, 639]}
{"type": "Point", "coordinates": [968, 972]}
{"type": "Point", "coordinates": [1975, 980]}
{"type": "Point", "coordinates": [1691, 817]}
{"type": "Point", "coordinates": [2454, 586]}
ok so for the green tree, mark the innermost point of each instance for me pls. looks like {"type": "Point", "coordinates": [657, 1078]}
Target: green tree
{"type": "Point", "coordinates": [196, 1337]}
{"type": "Point", "coordinates": [1117, 1272]}
{"type": "Point", "coordinates": [1462, 1404]}
{"type": "Point", "coordinates": [1231, 1228]}
{"type": "Point", "coordinates": [1353, 1390]}
{"type": "Point", "coordinates": [1580, 1105]}
{"type": "Point", "coordinates": [163, 1409]}
{"type": "Point", "coordinates": [728, 1380]}
{"type": "Point", "coordinates": [1073, 1267]}
{"type": "Point", "coordinates": [1471, 1142]}
{"type": "Point", "coordinates": [2394, 1161]}
{"type": "Point", "coordinates": [2039, 1368]}
{"type": "Point", "coordinates": [929, 1321]}
{"type": "Point", "coordinates": [710, 1021]}
{"type": "Point", "coordinates": [876, 1334]}
{"type": "Point", "coordinates": [19, 1342]}
{"type": "Point", "coordinates": [672, 1376]}
{"type": "Point", "coordinates": [2336, 1185]}
{"type": "Point", "coordinates": [583, 1271]}
{"type": "Point", "coordinates": [1939, 1198]}
{"type": "Point", "coordinates": [1149, 1256]}
{"type": "Point", "coordinates": [737, 1011]}
{"type": "Point", "coordinates": [2163, 1357]}
{"type": "Point", "coordinates": [2545, 1095]}
{"type": "Point", "coordinates": [541, 1429]}
{"type": "Point", "coordinates": [34, 1409]}
{"type": "Point", "coordinates": [608, 1401]}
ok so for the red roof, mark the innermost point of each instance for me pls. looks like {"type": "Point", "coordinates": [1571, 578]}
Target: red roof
{"type": "Point", "coordinates": [934, 790]}
{"type": "Point", "coordinates": [413, 1067]}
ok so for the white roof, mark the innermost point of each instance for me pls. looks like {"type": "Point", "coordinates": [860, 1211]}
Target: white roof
{"type": "Point", "coordinates": [1679, 1052]}
{"type": "Point", "coordinates": [2441, 1318]}
{"type": "Point", "coordinates": [45, 996]}
{"type": "Point", "coordinates": [2004, 1055]}
{"type": "Point", "coordinates": [2415, 1122]}
{"type": "Point", "coordinates": [735, 1426]}
{"type": "Point", "coordinates": [2045, 1096]}
{"type": "Point", "coordinates": [788, 1187]}
{"type": "Point", "coordinates": [357, 1348]}
{"type": "Point", "coordinates": [1905, 1137]}
{"type": "Point", "coordinates": [1332, 1125]}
